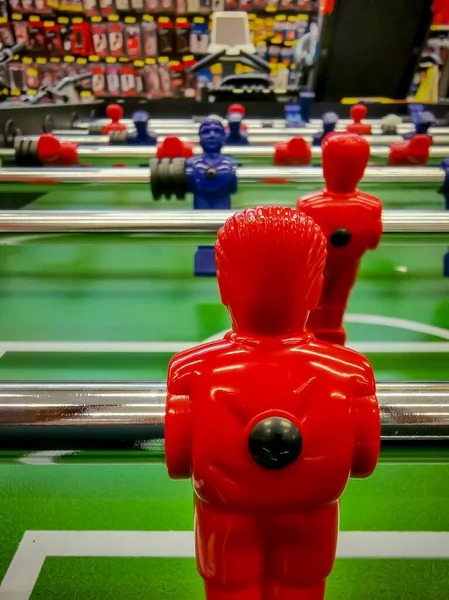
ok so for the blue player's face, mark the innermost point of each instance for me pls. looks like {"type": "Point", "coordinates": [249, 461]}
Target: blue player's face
{"type": "Point", "coordinates": [212, 137]}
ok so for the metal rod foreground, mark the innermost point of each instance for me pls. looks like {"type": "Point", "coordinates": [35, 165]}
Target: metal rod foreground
{"type": "Point", "coordinates": [96, 175]}
{"type": "Point", "coordinates": [129, 416]}
{"type": "Point", "coordinates": [187, 221]}
{"type": "Point", "coordinates": [254, 150]}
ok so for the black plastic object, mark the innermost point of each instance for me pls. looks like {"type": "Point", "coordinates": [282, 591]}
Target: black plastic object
{"type": "Point", "coordinates": [10, 132]}
{"type": "Point", "coordinates": [49, 124]}
{"type": "Point", "coordinates": [27, 153]}
{"type": "Point", "coordinates": [117, 137]}
{"type": "Point", "coordinates": [167, 178]}
{"type": "Point", "coordinates": [370, 48]}
{"type": "Point", "coordinates": [340, 238]}
{"type": "Point", "coordinates": [275, 443]}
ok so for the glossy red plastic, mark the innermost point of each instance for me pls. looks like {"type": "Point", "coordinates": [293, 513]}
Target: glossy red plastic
{"type": "Point", "coordinates": [294, 153]}
{"type": "Point", "coordinates": [350, 219]}
{"type": "Point", "coordinates": [358, 113]}
{"type": "Point", "coordinates": [172, 147]}
{"type": "Point", "coordinates": [115, 113]}
{"type": "Point", "coordinates": [269, 532]}
{"type": "Point", "coordinates": [327, 7]}
{"type": "Point", "coordinates": [411, 152]}
{"type": "Point", "coordinates": [440, 10]}
{"type": "Point", "coordinates": [52, 152]}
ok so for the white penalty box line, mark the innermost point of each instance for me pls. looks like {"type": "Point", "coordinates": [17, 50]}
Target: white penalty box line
{"type": "Point", "coordinates": [36, 546]}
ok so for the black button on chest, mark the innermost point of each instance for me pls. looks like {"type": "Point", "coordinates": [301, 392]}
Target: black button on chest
{"type": "Point", "coordinates": [340, 238]}
{"type": "Point", "coordinates": [275, 443]}
{"type": "Point", "coordinates": [211, 173]}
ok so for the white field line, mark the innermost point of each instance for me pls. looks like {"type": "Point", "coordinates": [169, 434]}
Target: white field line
{"type": "Point", "coordinates": [35, 546]}
{"type": "Point", "coordinates": [177, 346]}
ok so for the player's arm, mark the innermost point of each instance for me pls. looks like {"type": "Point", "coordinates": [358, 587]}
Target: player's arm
{"type": "Point", "coordinates": [376, 233]}
{"type": "Point", "coordinates": [367, 424]}
{"type": "Point", "coordinates": [178, 419]}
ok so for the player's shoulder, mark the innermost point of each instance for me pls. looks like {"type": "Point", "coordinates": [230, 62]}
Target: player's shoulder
{"type": "Point", "coordinates": [196, 357]}
{"type": "Point", "coordinates": [343, 359]}
{"type": "Point", "coordinates": [371, 202]}
{"type": "Point", "coordinates": [311, 200]}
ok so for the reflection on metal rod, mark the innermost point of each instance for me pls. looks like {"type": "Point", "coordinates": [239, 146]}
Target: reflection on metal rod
{"type": "Point", "coordinates": [73, 221]}
{"type": "Point", "coordinates": [123, 416]}
{"type": "Point", "coordinates": [142, 175]}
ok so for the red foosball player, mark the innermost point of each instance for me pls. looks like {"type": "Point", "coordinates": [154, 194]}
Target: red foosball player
{"type": "Point", "coordinates": [294, 153]}
{"type": "Point", "coordinates": [46, 151]}
{"type": "Point", "coordinates": [269, 422]}
{"type": "Point", "coordinates": [410, 152]}
{"type": "Point", "coordinates": [351, 222]}
{"type": "Point", "coordinates": [240, 110]}
{"type": "Point", "coordinates": [115, 113]}
{"type": "Point", "coordinates": [172, 147]}
{"type": "Point", "coordinates": [358, 113]}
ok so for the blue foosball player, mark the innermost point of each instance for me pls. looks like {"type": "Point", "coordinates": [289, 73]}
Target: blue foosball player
{"type": "Point", "coordinates": [293, 117]}
{"type": "Point", "coordinates": [212, 179]}
{"type": "Point", "coordinates": [330, 120]}
{"type": "Point", "coordinates": [422, 121]}
{"type": "Point", "coordinates": [306, 100]}
{"type": "Point", "coordinates": [236, 135]}
{"type": "Point", "coordinates": [142, 137]}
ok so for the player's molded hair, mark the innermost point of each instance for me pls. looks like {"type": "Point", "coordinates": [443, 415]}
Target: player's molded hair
{"type": "Point", "coordinates": [213, 119]}
{"type": "Point", "coordinates": [270, 263]}
{"type": "Point", "coordinates": [345, 158]}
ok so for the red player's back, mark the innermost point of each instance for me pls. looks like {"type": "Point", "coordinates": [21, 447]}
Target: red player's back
{"type": "Point", "coordinates": [351, 221]}
{"type": "Point", "coordinates": [241, 381]}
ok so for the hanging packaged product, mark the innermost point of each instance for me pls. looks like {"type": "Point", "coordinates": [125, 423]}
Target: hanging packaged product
{"type": "Point", "coordinates": [100, 39]}
{"type": "Point", "coordinates": [122, 5]}
{"type": "Point", "coordinates": [28, 7]}
{"type": "Point", "coordinates": [137, 6]}
{"type": "Point", "coordinates": [199, 36]}
{"type": "Point", "coordinates": [193, 6]}
{"type": "Point", "coordinates": [91, 8]}
{"type": "Point", "coordinates": [182, 35]}
{"type": "Point", "coordinates": [133, 40]}
{"type": "Point", "coordinates": [180, 7]}
{"type": "Point", "coordinates": [107, 7]}
{"type": "Point", "coordinates": [112, 78]}
{"type": "Point", "coordinates": [54, 39]}
{"type": "Point", "coordinates": [149, 36]}
{"type": "Point", "coordinates": [36, 36]}
{"type": "Point", "coordinates": [205, 7]}
{"type": "Point", "coordinates": [165, 77]}
{"type": "Point", "coordinates": [152, 82]}
{"type": "Point", "coordinates": [115, 37]}
{"type": "Point", "coordinates": [6, 36]}
{"type": "Point", "coordinates": [165, 36]}
{"type": "Point", "coordinates": [99, 80]}
{"type": "Point", "coordinates": [138, 76]}
{"type": "Point", "coordinates": [82, 43]}
{"type": "Point", "coordinates": [152, 7]}
{"type": "Point", "coordinates": [127, 81]}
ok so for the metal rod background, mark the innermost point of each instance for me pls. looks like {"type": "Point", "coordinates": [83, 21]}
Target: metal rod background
{"type": "Point", "coordinates": [41, 175]}
{"type": "Point", "coordinates": [266, 125]}
{"type": "Point", "coordinates": [187, 221]}
{"type": "Point", "coordinates": [124, 416]}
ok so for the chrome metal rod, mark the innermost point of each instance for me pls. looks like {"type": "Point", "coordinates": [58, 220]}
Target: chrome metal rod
{"type": "Point", "coordinates": [97, 175]}
{"type": "Point", "coordinates": [256, 136]}
{"type": "Point", "coordinates": [270, 139]}
{"type": "Point", "coordinates": [187, 221]}
{"type": "Point", "coordinates": [129, 416]}
{"type": "Point", "coordinates": [267, 126]}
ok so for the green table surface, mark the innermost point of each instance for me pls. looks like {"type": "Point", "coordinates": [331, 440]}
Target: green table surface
{"type": "Point", "coordinates": [117, 307]}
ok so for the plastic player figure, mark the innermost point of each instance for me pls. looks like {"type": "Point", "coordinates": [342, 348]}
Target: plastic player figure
{"type": "Point", "coordinates": [46, 151]}
{"type": "Point", "coordinates": [239, 109]}
{"type": "Point", "coordinates": [211, 178]}
{"type": "Point", "coordinates": [142, 137]}
{"type": "Point", "coordinates": [172, 147]}
{"type": "Point", "coordinates": [236, 135]}
{"type": "Point", "coordinates": [294, 153]}
{"type": "Point", "coordinates": [293, 117]}
{"type": "Point", "coordinates": [358, 113]}
{"type": "Point", "coordinates": [413, 152]}
{"type": "Point", "coordinates": [351, 222]}
{"type": "Point", "coordinates": [330, 120]}
{"type": "Point", "coordinates": [269, 422]}
{"type": "Point", "coordinates": [115, 113]}
{"type": "Point", "coordinates": [423, 121]}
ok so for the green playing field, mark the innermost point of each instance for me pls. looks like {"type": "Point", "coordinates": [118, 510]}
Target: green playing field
{"type": "Point", "coordinates": [117, 307]}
